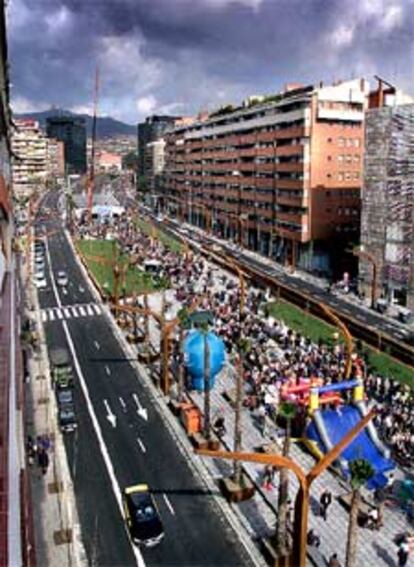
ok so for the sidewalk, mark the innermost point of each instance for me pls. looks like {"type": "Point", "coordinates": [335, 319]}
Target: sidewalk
{"type": "Point", "coordinates": [57, 530]}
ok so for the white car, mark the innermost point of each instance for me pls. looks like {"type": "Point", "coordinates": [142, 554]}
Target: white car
{"type": "Point", "coordinates": [40, 280]}
{"type": "Point", "coordinates": [62, 279]}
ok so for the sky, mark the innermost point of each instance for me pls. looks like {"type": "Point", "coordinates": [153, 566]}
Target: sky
{"type": "Point", "coordinates": [183, 56]}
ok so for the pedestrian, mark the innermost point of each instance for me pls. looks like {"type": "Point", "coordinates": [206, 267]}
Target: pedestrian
{"type": "Point", "coordinates": [313, 539]}
{"type": "Point", "coordinates": [261, 415]}
{"type": "Point", "coordinates": [42, 460]}
{"type": "Point", "coordinates": [268, 477]}
{"type": "Point", "coordinates": [31, 449]}
{"type": "Point", "coordinates": [334, 561]}
{"type": "Point", "coordinates": [324, 503]}
{"type": "Point", "coordinates": [403, 553]}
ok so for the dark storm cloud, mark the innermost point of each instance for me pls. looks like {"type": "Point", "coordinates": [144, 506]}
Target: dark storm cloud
{"type": "Point", "coordinates": [180, 55]}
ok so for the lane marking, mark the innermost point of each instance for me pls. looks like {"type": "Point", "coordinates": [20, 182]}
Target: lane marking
{"type": "Point", "coordinates": [74, 312]}
{"type": "Point", "coordinates": [123, 404]}
{"type": "Point", "coordinates": [89, 310]}
{"type": "Point", "coordinates": [44, 317]}
{"type": "Point", "coordinates": [82, 311]}
{"type": "Point", "coordinates": [98, 431]}
{"type": "Point", "coordinates": [169, 505]}
{"type": "Point", "coordinates": [98, 311]}
{"type": "Point", "coordinates": [67, 312]}
{"type": "Point", "coordinates": [107, 370]}
{"type": "Point", "coordinates": [142, 446]}
{"type": "Point", "coordinates": [51, 314]}
{"type": "Point", "coordinates": [59, 314]}
{"type": "Point", "coordinates": [96, 345]}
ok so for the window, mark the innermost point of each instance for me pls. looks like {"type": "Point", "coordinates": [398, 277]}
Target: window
{"type": "Point", "coordinates": [349, 142]}
{"type": "Point", "coordinates": [357, 142]}
{"type": "Point", "coordinates": [348, 158]}
{"type": "Point", "coordinates": [357, 158]}
{"type": "Point", "coordinates": [356, 174]}
{"type": "Point", "coordinates": [341, 142]}
{"type": "Point", "coordinates": [329, 140]}
{"type": "Point", "coordinates": [329, 158]}
{"type": "Point", "coordinates": [348, 175]}
{"type": "Point", "coordinates": [341, 158]}
{"type": "Point", "coordinates": [340, 176]}
{"type": "Point", "coordinates": [329, 175]}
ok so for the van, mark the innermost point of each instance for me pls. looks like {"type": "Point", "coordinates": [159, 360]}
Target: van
{"type": "Point", "coordinates": [61, 368]}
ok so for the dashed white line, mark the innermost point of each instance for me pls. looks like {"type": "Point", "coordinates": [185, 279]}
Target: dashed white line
{"type": "Point", "coordinates": [108, 370]}
{"type": "Point", "coordinates": [123, 404]}
{"type": "Point", "coordinates": [82, 311]}
{"type": "Point", "coordinates": [169, 505]}
{"type": "Point", "coordinates": [141, 445]}
{"type": "Point", "coordinates": [97, 345]}
{"type": "Point", "coordinates": [44, 316]}
{"type": "Point", "coordinates": [51, 315]}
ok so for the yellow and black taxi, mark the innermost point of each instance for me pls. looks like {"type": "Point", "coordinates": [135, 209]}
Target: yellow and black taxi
{"type": "Point", "coordinates": [142, 516]}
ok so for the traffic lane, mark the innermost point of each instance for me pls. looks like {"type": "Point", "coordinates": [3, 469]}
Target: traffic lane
{"type": "Point", "coordinates": [196, 534]}
{"type": "Point", "coordinates": [62, 258]}
{"type": "Point", "coordinates": [102, 528]}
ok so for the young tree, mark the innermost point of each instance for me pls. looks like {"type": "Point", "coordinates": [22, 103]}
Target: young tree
{"type": "Point", "coordinates": [361, 471]}
{"type": "Point", "coordinates": [287, 411]}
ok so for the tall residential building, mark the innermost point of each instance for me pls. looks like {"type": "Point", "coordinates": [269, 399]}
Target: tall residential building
{"type": "Point", "coordinates": [285, 169]}
{"type": "Point", "coordinates": [30, 157]}
{"type": "Point", "coordinates": [154, 165]}
{"type": "Point", "coordinates": [17, 545]}
{"type": "Point", "coordinates": [151, 130]}
{"type": "Point", "coordinates": [71, 131]}
{"type": "Point", "coordinates": [387, 220]}
{"type": "Point", "coordinates": [55, 158]}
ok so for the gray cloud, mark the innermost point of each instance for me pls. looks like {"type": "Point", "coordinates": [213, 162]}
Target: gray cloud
{"type": "Point", "coordinates": [192, 54]}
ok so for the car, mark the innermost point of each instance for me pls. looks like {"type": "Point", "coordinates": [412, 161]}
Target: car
{"type": "Point", "coordinates": [142, 516]}
{"type": "Point", "coordinates": [40, 280]}
{"type": "Point", "coordinates": [62, 278]}
{"type": "Point", "coordinates": [66, 410]}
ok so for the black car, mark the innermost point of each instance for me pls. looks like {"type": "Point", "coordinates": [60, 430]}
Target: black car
{"type": "Point", "coordinates": [142, 516]}
{"type": "Point", "coordinates": [66, 410]}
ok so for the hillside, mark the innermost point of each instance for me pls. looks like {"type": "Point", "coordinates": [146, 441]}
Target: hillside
{"type": "Point", "coordinates": [106, 127]}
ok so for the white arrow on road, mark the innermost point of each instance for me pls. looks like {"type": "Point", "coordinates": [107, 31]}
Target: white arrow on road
{"type": "Point", "coordinates": [143, 412]}
{"type": "Point", "coordinates": [111, 417]}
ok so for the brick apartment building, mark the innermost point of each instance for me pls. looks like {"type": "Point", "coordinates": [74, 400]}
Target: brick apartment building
{"type": "Point", "coordinates": [281, 173]}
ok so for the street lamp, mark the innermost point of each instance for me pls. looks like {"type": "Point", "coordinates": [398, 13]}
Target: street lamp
{"type": "Point", "coordinates": [369, 258]}
{"type": "Point", "coordinates": [300, 527]}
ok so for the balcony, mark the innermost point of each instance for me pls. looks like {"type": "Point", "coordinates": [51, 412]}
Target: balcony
{"type": "Point", "coordinates": [290, 166]}
{"type": "Point", "coordinates": [291, 183]}
{"type": "Point", "coordinates": [292, 200]}
{"type": "Point", "coordinates": [296, 218]}
{"type": "Point", "coordinates": [290, 150]}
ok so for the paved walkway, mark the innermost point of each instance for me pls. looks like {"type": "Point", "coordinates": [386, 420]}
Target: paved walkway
{"type": "Point", "coordinates": [52, 494]}
{"type": "Point", "coordinates": [375, 548]}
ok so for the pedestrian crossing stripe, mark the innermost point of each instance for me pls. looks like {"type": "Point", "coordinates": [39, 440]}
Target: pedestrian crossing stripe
{"type": "Point", "coordinates": [70, 312]}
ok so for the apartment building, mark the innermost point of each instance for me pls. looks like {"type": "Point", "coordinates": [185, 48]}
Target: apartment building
{"type": "Point", "coordinates": [30, 157]}
{"type": "Point", "coordinates": [282, 173]}
{"type": "Point", "coordinates": [154, 166]}
{"type": "Point", "coordinates": [55, 158]}
{"type": "Point", "coordinates": [387, 223]}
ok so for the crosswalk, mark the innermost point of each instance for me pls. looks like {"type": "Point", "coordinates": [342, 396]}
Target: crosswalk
{"type": "Point", "coordinates": [70, 312]}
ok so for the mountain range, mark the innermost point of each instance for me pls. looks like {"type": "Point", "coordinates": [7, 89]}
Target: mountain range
{"type": "Point", "coordinates": [106, 127]}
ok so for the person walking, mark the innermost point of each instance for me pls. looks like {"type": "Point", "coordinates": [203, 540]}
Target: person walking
{"type": "Point", "coordinates": [334, 561]}
{"type": "Point", "coordinates": [324, 503]}
{"type": "Point", "coordinates": [403, 553]}
{"type": "Point", "coordinates": [43, 460]}
{"type": "Point", "coordinates": [261, 415]}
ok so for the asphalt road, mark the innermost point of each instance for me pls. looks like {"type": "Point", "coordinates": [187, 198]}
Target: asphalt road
{"type": "Point", "coordinates": [114, 446]}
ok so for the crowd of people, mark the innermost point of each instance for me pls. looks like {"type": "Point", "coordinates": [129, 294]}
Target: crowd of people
{"type": "Point", "coordinates": [276, 353]}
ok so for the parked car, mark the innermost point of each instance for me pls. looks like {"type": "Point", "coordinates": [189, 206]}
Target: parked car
{"type": "Point", "coordinates": [62, 278]}
{"type": "Point", "coordinates": [66, 410]}
{"type": "Point", "coordinates": [142, 516]}
{"type": "Point", "coordinates": [62, 371]}
{"type": "Point", "coordinates": [40, 280]}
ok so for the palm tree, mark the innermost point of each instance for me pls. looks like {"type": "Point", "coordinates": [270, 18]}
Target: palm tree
{"type": "Point", "coordinates": [243, 346]}
{"type": "Point", "coordinates": [183, 318]}
{"type": "Point", "coordinates": [287, 411]}
{"type": "Point", "coordinates": [361, 471]}
{"type": "Point", "coordinates": [207, 405]}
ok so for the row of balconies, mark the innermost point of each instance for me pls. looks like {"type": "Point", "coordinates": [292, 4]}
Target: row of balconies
{"type": "Point", "coordinates": [270, 151]}
{"type": "Point", "coordinates": [245, 139]}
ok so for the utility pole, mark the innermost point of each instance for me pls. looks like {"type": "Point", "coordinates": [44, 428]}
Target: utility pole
{"type": "Point", "coordinates": [91, 182]}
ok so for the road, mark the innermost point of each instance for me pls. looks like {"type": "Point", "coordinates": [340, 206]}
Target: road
{"type": "Point", "coordinates": [116, 445]}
